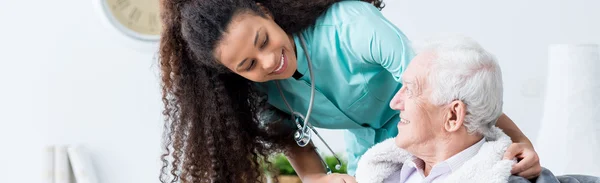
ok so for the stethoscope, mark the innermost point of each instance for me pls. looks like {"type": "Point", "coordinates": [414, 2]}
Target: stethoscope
{"type": "Point", "coordinates": [303, 135]}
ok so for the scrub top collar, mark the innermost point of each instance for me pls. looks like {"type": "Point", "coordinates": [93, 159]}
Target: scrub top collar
{"type": "Point", "coordinates": [301, 62]}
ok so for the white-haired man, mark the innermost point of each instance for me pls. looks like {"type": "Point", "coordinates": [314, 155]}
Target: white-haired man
{"type": "Point", "coordinates": [449, 105]}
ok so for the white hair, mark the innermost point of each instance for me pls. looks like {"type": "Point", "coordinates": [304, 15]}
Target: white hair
{"type": "Point", "coordinates": [462, 70]}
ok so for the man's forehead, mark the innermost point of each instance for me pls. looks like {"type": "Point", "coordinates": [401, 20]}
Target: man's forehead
{"type": "Point", "coordinates": [418, 68]}
{"type": "Point", "coordinates": [424, 59]}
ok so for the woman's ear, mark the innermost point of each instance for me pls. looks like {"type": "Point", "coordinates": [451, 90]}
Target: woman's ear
{"type": "Point", "coordinates": [455, 117]}
{"type": "Point", "coordinates": [265, 11]}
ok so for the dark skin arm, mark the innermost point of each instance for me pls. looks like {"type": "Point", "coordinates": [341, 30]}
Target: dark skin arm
{"type": "Point", "coordinates": [511, 129]}
{"type": "Point", "coordinates": [308, 166]}
{"type": "Point", "coordinates": [529, 163]}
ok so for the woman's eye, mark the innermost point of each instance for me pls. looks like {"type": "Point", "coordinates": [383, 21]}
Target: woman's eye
{"type": "Point", "coordinates": [251, 65]}
{"type": "Point", "coordinates": [264, 44]}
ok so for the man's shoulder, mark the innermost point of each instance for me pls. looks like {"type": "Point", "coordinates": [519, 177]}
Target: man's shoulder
{"type": "Point", "coordinates": [546, 176]}
{"type": "Point", "coordinates": [380, 161]}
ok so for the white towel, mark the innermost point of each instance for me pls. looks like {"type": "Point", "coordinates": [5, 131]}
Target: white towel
{"type": "Point", "coordinates": [385, 158]}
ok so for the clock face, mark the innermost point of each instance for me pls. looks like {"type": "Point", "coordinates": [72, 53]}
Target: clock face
{"type": "Point", "coordinates": [137, 18]}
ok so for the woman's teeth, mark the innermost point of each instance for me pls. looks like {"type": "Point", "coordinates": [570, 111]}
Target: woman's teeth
{"type": "Point", "coordinates": [281, 60]}
{"type": "Point", "coordinates": [404, 121]}
{"type": "Point", "coordinates": [280, 64]}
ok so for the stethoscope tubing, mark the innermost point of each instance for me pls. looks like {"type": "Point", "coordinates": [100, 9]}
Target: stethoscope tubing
{"type": "Point", "coordinates": [303, 136]}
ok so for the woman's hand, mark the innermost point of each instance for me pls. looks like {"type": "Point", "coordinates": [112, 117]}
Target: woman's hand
{"type": "Point", "coordinates": [331, 178]}
{"type": "Point", "coordinates": [528, 165]}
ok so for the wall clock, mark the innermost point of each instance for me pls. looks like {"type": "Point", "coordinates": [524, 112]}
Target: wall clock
{"type": "Point", "coordinates": [138, 19]}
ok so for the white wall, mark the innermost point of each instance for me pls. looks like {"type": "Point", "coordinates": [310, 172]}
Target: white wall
{"type": "Point", "coordinates": [69, 78]}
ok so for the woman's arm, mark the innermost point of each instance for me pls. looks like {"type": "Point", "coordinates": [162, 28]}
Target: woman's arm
{"type": "Point", "coordinates": [511, 129]}
{"type": "Point", "coordinates": [308, 166]}
{"type": "Point", "coordinates": [305, 161]}
{"type": "Point", "coordinates": [522, 149]}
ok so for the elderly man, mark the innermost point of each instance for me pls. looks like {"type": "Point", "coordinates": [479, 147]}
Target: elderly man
{"type": "Point", "coordinates": [449, 104]}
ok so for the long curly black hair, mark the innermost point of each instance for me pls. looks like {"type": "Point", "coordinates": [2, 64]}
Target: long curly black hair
{"type": "Point", "coordinates": [212, 130]}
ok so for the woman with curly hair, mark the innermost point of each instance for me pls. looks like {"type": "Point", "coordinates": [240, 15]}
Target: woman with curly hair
{"type": "Point", "coordinates": [233, 72]}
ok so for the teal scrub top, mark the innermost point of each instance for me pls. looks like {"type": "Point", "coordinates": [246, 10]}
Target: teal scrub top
{"type": "Point", "coordinates": [358, 58]}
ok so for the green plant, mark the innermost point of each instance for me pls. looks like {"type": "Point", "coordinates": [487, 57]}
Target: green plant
{"type": "Point", "coordinates": [331, 162]}
{"type": "Point", "coordinates": [282, 164]}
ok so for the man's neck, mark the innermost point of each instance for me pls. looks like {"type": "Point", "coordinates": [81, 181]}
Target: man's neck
{"type": "Point", "coordinates": [445, 148]}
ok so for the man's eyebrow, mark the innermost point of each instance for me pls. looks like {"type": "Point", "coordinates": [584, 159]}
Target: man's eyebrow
{"type": "Point", "coordinates": [411, 83]}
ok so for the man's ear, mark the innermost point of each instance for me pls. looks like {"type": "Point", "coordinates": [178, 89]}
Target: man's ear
{"type": "Point", "coordinates": [455, 116]}
{"type": "Point", "coordinates": [265, 11]}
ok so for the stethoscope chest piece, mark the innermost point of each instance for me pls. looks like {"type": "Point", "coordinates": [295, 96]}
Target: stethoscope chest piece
{"type": "Point", "coordinates": [302, 135]}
